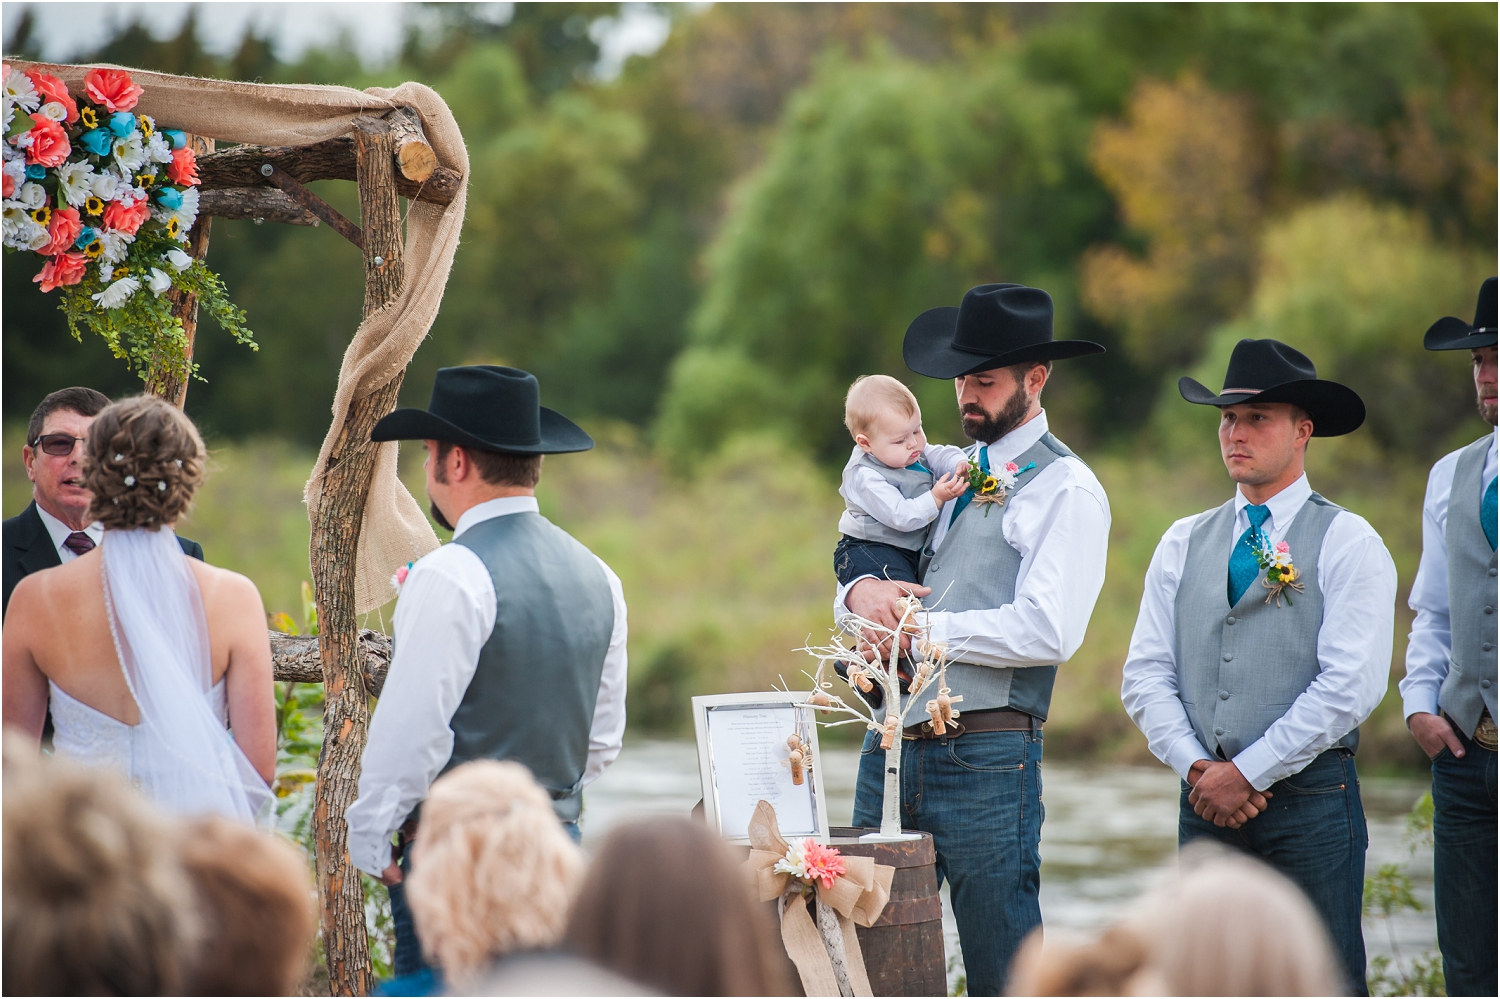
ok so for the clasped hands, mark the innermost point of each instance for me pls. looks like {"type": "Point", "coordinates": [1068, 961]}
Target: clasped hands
{"type": "Point", "coordinates": [1222, 795]}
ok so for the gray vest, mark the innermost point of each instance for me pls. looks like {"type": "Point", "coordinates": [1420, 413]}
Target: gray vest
{"type": "Point", "coordinates": [1240, 668]}
{"type": "Point", "coordinates": [910, 482]}
{"type": "Point", "coordinates": [533, 694]}
{"type": "Point", "coordinates": [975, 569]}
{"type": "Point", "coordinates": [1470, 684]}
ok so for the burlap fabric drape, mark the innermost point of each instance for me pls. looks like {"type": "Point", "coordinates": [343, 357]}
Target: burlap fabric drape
{"type": "Point", "coordinates": [395, 530]}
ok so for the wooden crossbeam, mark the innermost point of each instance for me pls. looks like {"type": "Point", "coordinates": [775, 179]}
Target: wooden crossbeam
{"type": "Point", "coordinates": [296, 658]}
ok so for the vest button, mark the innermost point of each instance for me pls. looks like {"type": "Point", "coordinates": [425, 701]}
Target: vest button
{"type": "Point", "coordinates": [1492, 572]}
{"type": "Point", "coordinates": [1218, 731]}
{"type": "Point", "coordinates": [1489, 610]}
{"type": "Point", "coordinates": [1485, 684]}
{"type": "Point", "coordinates": [1229, 620]}
{"type": "Point", "coordinates": [1486, 647]}
{"type": "Point", "coordinates": [1229, 658]}
{"type": "Point", "coordinates": [1223, 695]}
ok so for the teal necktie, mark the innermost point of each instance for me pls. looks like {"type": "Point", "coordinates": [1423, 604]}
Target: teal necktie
{"type": "Point", "coordinates": [968, 496]}
{"type": "Point", "coordinates": [1487, 512]}
{"type": "Point", "coordinates": [1243, 565]}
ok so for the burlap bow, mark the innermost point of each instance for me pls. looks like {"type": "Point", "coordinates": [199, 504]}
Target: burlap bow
{"type": "Point", "coordinates": [830, 958]}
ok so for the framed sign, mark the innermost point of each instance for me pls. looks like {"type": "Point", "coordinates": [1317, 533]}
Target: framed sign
{"type": "Point", "coordinates": [745, 755]}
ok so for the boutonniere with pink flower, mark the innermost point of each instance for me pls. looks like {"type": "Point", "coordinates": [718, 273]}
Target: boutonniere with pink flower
{"type": "Point", "coordinates": [990, 488]}
{"type": "Point", "coordinates": [398, 578]}
{"type": "Point", "coordinates": [1281, 575]}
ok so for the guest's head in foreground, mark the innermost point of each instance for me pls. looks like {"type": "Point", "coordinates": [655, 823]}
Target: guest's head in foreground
{"type": "Point", "coordinates": [256, 900]}
{"type": "Point", "coordinates": [53, 454]}
{"type": "Point", "coordinates": [1272, 404]}
{"type": "Point", "coordinates": [493, 871]}
{"type": "Point", "coordinates": [95, 902]}
{"type": "Point", "coordinates": [665, 904]}
{"type": "Point", "coordinates": [142, 463]}
{"type": "Point", "coordinates": [1227, 925]}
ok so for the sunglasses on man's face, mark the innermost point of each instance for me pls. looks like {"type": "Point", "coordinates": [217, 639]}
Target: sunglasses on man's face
{"type": "Point", "coordinates": [57, 445]}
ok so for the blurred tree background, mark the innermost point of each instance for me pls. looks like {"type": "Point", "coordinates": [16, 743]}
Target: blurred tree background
{"type": "Point", "coordinates": [698, 255]}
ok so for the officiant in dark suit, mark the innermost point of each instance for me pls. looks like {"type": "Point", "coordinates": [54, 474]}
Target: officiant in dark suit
{"type": "Point", "coordinates": [54, 529]}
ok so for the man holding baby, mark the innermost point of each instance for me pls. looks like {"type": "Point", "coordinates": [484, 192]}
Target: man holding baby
{"type": "Point", "coordinates": [1011, 580]}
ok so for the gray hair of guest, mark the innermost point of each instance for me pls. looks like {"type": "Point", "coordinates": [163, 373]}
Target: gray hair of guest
{"type": "Point", "coordinates": [77, 399]}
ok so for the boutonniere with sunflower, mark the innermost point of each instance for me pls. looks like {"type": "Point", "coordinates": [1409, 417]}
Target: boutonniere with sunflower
{"type": "Point", "coordinates": [1281, 574]}
{"type": "Point", "coordinates": [991, 488]}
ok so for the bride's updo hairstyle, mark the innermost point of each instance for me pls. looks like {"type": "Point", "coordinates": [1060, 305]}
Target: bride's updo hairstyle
{"type": "Point", "coordinates": [143, 461]}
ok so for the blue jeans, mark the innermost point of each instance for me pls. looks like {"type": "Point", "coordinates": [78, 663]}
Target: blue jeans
{"type": "Point", "coordinates": [1463, 867]}
{"type": "Point", "coordinates": [980, 796]}
{"type": "Point", "coordinates": [1313, 831]}
{"type": "Point", "coordinates": [408, 960]}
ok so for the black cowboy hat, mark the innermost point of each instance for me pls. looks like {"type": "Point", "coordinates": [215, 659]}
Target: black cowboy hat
{"type": "Point", "coordinates": [1270, 371]}
{"type": "Point", "coordinates": [488, 407]}
{"type": "Point", "coordinates": [1450, 333]}
{"type": "Point", "coordinates": [996, 325]}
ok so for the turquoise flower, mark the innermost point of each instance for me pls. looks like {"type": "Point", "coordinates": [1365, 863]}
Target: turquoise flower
{"type": "Point", "coordinates": [97, 141]}
{"type": "Point", "coordinates": [178, 138]}
{"type": "Point", "coordinates": [169, 198]}
{"type": "Point", "coordinates": [122, 123]}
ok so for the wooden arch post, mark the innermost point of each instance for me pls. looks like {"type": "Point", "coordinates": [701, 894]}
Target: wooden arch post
{"type": "Point", "coordinates": [389, 158]}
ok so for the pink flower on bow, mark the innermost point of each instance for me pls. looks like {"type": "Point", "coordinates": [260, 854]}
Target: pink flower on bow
{"type": "Point", "coordinates": [401, 575]}
{"type": "Point", "coordinates": [1011, 466]}
{"type": "Point", "coordinates": [1283, 547]}
{"type": "Point", "coordinates": [824, 864]}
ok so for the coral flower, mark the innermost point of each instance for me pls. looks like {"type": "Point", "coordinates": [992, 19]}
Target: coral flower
{"type": "Point", "coordinates": [126, 220]}
{"type": "Point", "coordinates": [64, 228]}
{"type": "Point", "coordinates": [825, 865]}
{"type": "Point", "coordinates": [53, 89]}
{"type": "Point", "coordinates": [49, 144]}
{"type": "Point", "coordinates": [63, 269]}
{"type": "Point", "coordinates": [184, 168]}
{"type": "Point", "coordinates": [113, 88]}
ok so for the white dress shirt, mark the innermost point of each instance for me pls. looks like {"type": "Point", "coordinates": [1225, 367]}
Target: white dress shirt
{"type": "Point", "coordinates": [866, 490]}
{"type": "Point", "coordinates": [1060, 525]}
{"type": "Point", "coordinates": [1431, 641]}
{"type": "Point", "coordinates": [59, 533]}
{"type": "Point", "coordinates": [445, 614]}
{"type": "Point", "coordinates": [1358, 582]}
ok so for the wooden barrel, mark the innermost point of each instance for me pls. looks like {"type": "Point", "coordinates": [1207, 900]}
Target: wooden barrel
{"type": "Point", "coordinates": [903, 951]}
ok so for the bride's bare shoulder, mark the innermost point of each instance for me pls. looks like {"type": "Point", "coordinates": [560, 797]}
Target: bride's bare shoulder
{"type": "Point", "coordinates": [224, 587]}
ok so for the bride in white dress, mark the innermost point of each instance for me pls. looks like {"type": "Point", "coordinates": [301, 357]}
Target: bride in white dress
{"type": "Point", "coordinates": [154, 663]}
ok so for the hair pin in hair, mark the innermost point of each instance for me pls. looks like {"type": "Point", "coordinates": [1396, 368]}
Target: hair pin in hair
{"type": "Point", "coordinates": [130, 480]}
{"type": "Point", "coordinates": [161, 487]}
{"type": "Point", "coordinates": [179, 462]}
{"type": "Point", "coordinates": [119, 458]}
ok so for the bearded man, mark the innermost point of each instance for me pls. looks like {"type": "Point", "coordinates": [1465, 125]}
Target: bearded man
{"type": "Point", "coordinates": [1015, 586]}
{"type": "Point", "coordinates": [1264, 640]}
{"type": "Point", "coordinates": [1449, 689]}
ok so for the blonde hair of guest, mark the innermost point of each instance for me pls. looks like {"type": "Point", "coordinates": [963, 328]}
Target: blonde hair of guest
{"type": "Point", "coordinates": [872, 397]}
{"type": "Point", "coordinates": [493, 872]}
{"type": "Point", "coordinates": [1228, 925]}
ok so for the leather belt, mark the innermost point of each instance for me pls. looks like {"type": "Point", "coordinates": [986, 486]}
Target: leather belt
{"type": "Point", "coordinates": [994, 720]}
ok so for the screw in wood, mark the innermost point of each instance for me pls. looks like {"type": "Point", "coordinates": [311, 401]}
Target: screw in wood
{"type": "Point", "coordinates": [266, 169]}
{"type": "Point", "coordinates": [379, 261]}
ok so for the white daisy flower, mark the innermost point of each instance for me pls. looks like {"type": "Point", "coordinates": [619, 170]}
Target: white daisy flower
{"type": "Point", "coordinates": [116, 245]}
{"type": "Point", "coordinates": [188, 213]}
{"type": "Point", "coordinates": [20, 91]}
{"type": "Point", "coordinates": [106, 271]}
{"type": "Point", "coordinates": [31, 196]}
{"type": "Point", "coordinates": [75, 180]}
{"type": "Point", "coordinates": [180, 261]}
{"type": "Point", "coordinates": [159, 281]}
{"type": "Point", "coordinates": [19, 231]}
{"type": "Point", "coordinates": [129, 152]}
{"type": "Point", "coordinates": [159, 149]}
{"type": "Point", "coordinates": [117, 294]}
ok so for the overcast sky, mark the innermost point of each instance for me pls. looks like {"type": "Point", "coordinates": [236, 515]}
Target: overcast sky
{"type": "Point", "coordinates": [66, 29]}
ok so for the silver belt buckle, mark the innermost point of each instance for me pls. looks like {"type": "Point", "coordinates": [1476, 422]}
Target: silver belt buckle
{"type": "Point", "coordinates": [1485, 733]}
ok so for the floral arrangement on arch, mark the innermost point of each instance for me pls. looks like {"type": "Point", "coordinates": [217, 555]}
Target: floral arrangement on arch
{"type": "Point", "coordinates": [107, 198]}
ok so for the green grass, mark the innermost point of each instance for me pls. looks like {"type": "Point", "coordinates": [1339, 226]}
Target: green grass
{"type": "Point", "coordinates": [728, 572]}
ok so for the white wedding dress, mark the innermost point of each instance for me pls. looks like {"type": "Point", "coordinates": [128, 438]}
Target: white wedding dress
{"type": "Point", "coordinates": [181, 753]}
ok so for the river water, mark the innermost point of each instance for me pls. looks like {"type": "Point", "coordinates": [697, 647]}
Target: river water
{"type": "Point", "coordinates": [1110, 833]}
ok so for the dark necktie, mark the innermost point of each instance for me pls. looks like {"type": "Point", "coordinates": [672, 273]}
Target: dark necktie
{"type": "Point", "coordinates": [1487, 511]}
{"type": "Point", "coordinates": [967, 497]}
{"type": "Point", "coordinates": [79, 543]}
{"type": "Point", "coordinates": [1243, 565]}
